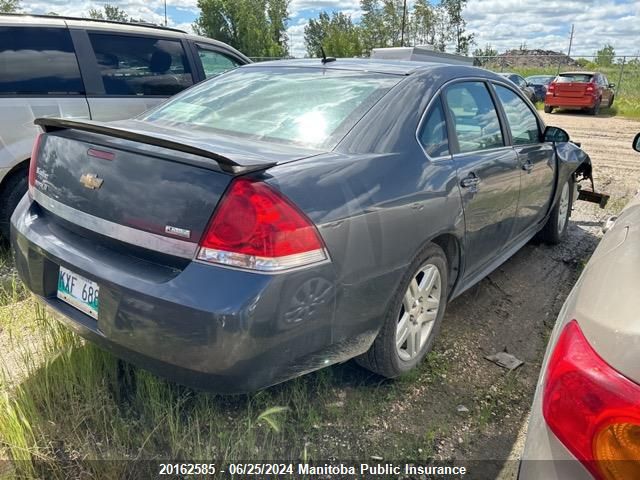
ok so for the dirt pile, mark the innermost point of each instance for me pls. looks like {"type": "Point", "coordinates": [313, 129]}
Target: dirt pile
{"type": "Point", "coordinates": [536, 58]}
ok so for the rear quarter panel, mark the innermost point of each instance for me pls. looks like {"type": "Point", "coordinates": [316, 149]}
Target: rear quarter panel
{"type": "Point", "coordinates": [377, 202]}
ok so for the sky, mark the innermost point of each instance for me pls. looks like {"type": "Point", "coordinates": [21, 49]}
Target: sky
{"type": "Point", "coordinates": [505, 24]}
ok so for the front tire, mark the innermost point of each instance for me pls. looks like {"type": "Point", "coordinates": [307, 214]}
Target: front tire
{"type": "Point", "coordinates": [414, 316]}
{"type": "Point", "coordinates": [13, 190]}
{"type": "Point", "coordinates": [556, 227]}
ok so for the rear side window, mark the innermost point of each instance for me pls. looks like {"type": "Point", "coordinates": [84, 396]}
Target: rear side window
{"type": "Point", "coordinates": [522, 121]}
{"type": "Point", "coordinates": [38, 61]}
{"type": "Point", "coordinates": [214, 63]}
{"type": "Point", "coordinates": [574, 78]}
{"type": "Point", "coordinates": [131, 65]}
{"type": "Point", "coordinates": [433, 135]}
{"type": "Point", "coordinates": [474, 116]}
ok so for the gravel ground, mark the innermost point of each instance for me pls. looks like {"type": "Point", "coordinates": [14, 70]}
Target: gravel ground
{"type": "Point", "coordinates": [468, 408]}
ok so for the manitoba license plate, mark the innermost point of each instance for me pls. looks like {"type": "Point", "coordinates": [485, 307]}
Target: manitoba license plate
{"type": "Point", "coordinates": [78, 291]}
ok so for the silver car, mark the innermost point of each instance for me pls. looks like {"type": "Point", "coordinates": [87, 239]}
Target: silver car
{"type": "Point", "coordinates": [86, 69]}
{"type": "Point", "coordinates": [585, 419]}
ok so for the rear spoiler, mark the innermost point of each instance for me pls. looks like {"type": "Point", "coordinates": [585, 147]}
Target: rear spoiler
{"type": "Point", "coordinates": [228, 165]}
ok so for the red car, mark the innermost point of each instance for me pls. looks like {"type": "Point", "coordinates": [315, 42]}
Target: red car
{"type": "Point", "coordinates": [579, 90]}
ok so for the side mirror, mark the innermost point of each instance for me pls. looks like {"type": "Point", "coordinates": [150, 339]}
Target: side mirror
{"type": "Point", "coordinates": [612, 85]}
{"type": "Point", "coordinates": [555, 134]}
{"type": "Point", "coordinates": [636, 143]}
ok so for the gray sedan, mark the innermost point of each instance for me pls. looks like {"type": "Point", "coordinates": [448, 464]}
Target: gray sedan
{"type": "Point", "coordinates": [287, 216]}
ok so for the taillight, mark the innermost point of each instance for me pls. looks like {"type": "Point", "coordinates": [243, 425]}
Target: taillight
{"type": "Point", "coordinates": [257, 228]}
{"type": "Point", "coordinates": [592, 409]}
{"type": "Point", "coordinates": [590, 88]}
{"type": "Point", "coordinates": [33, 161]}
{"type": "Point", "coordinates": [551, 87]}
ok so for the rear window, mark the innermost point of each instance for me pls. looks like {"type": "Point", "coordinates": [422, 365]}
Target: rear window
{"type": "Point", "coordinates": [306, 106]}
{"type": "Point", "coordinates": [574, 78]}
{"type": "Point", "coordinates": [38, 61]}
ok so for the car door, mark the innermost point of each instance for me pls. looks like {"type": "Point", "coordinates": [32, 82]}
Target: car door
{"type": "Point", "coordinates": [536, 159]}
{"type": "Point", "coordinates": [133, 72]}
{"type": "Point", "coordinates": [39, 77]}
{"type": "Point", "coordinates": [488, 172]}
{"type": "Point", "coordinates": [607, 92]}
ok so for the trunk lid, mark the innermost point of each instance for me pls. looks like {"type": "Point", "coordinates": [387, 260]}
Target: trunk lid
{"type": "Point", "coordinates": [160, 186]}
{"type": "Point", "coordinates": [572, 86]}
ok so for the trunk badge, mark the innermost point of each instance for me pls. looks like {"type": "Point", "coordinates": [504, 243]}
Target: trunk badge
{"type": "Point", "coordinates": [91, 181]}
{"type": "Point", "coordinates": [179, 232]}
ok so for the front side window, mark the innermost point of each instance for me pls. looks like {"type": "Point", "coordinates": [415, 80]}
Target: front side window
{"type": "Point", "coordinates": [38, 61]}
{"type": "Point", "coordinates": [433, 135]}
{"type": "Point", "coordinates": [474, 116]}
{"type": "Point", "coordinates": [131, 65]}
{"type": "Point", "coordinates": [306, 106]}
{"type": "Point", "coordinates": [214, 63]}
{"type": "Point", "coordinates": [522, 121]}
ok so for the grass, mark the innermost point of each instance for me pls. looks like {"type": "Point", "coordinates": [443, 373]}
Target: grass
{"type": "Point", "coordinates": [70, 410]}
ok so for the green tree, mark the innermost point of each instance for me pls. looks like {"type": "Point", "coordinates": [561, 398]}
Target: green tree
{"type": "Point", "coordinates": [255, 27]}
{"type": "Point", "coordinates": [9, 6]}
{"type": "Point", "coordinates": [278, 13]}
{"type": "Point", "coordinates": [336, 34]}
{"type": "Point", "coordinates": [604, 56]}
{"type": "Point", "coordinates": [372, 25]}
{"type": "Point", "coordinates": [457, 24]}
{"type": "Point", "coordinates": [484, 56]}
{"type": "Point", "coordinates": [423, 23]}
{"type": "Point", "coordinates": [109, 12]}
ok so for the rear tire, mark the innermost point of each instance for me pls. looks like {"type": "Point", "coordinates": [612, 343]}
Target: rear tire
{"type": "Point", "coordinates": [414, 316]}
{"type": "Point", "coordinates": [13, 190]}
{"type": "Point", "coordinates": [548, 109]}
{"type": "Point", "coordinates": [556, 227]}
{"type": "Point", "coordinates": [595, 109]}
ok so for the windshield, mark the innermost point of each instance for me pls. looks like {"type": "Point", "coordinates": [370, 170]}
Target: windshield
{"type": "Point", "coordinates": [307, 106]}
{"type": "Point", "coordinates": [539, 80]}
{"type": "Point", "coordinates": [574, 78]}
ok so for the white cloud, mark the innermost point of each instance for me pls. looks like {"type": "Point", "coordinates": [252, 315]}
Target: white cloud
{"type": "Point", "coordinates": [507, 24]}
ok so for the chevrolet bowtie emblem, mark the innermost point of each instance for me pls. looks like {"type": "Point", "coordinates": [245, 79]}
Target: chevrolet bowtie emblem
{"type": "Point", "coordinates": [91, 181]}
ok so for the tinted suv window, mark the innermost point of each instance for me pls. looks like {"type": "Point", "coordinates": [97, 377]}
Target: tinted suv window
{"type": "Point", "coordinates": [38, 61]}
{"type": "Point", "coordinates": [141, 65]}
{"type": "Point", "coordinates": [433, 135]}
{"type": "Point", "coordinates": [214, 63]}
{"type": "Point", "coordinates": [474, 116]}
{"type": "Point", "coordinates": [522, 121]}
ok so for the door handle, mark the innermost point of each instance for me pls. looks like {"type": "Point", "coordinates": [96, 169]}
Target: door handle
{"type": "Point", "coordinates": [470, 181]}
{"type": "Point", "coordinates": [527, 166]}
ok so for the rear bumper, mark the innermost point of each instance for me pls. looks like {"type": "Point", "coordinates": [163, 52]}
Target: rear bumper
{"type": "Point", "coordinates": [570, 102]}
{"type": "Point", "coordinates": [204, 326]}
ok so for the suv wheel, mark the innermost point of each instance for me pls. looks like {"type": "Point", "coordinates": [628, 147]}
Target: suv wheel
{"type": "Point", "coordinates": [413, 319]}
{"type": "Point", "coordinates": [13, 190]}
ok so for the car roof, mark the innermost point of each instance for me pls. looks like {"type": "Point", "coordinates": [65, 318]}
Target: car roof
{"type": "Point", "coordinates": [395, 67]}
{"type": "Point", "coordinates": [580, 72]}
{"type": "Point", "coordinates": [28, 20]}
{"type": "Point", "coordinates": [34, 20]}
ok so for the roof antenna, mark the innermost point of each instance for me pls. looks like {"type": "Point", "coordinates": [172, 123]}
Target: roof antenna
{"type": "Point", "coordinates": [326, 59]}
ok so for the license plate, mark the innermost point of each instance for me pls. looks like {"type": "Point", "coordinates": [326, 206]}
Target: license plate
{"type": "Point", "coordinates": [78, 291]}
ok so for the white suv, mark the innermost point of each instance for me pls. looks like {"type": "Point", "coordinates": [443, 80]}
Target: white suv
{"type": "Point", "coordinates": [80, 68]}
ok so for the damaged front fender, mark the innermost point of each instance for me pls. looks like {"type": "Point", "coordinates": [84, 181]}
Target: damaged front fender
{"type": "Point", "coordinates": [572, 160]}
